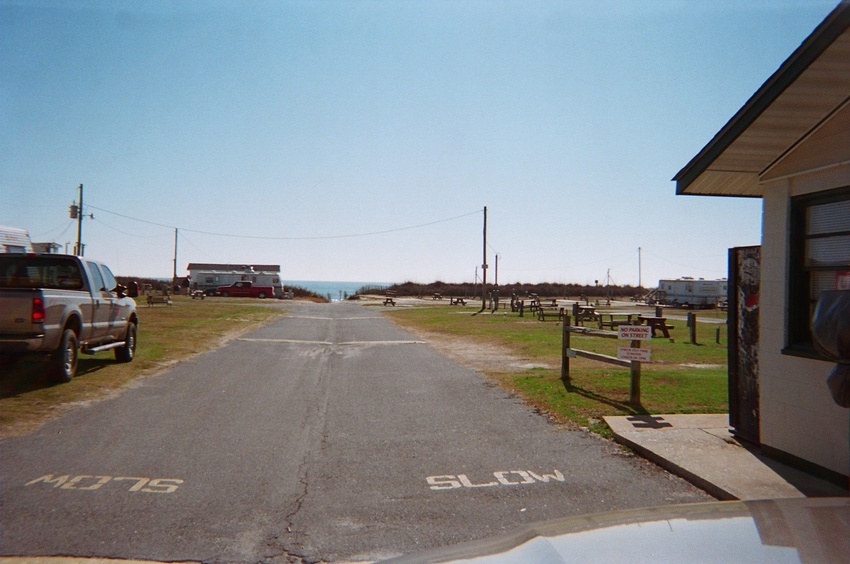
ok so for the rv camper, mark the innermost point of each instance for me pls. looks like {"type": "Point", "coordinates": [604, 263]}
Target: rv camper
{"type": "Point", "coordinates": [208, 281]}
{"type": "Point", "coordinates": [14, 240]}
{"type": "Point", "coordinates": [690, 293]}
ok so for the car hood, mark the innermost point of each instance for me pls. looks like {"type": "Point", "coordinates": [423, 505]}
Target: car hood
{"type": "Point", "coordinates": [782, 530]}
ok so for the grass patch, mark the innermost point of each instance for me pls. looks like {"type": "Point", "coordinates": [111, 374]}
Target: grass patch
{"type": "Point", "coordinates": [166, 335]}
{"type": "Point", "coordinates": [682, 378]}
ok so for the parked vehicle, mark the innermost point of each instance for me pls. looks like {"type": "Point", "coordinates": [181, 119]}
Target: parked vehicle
{"type": "Point", "coordinates": [14, 240]}
{"type": "Point", "coordinates": [61, 305]}
{"type": "Point", "coordinates": [688, 292]}
{"type": "Point", "coordinates": [209, 281]}
{"type": "Point", "coordinates": [246, 290]}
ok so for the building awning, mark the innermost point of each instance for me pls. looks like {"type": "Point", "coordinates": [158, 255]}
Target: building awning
{"type": "Point", "coordinates": [798, 121]}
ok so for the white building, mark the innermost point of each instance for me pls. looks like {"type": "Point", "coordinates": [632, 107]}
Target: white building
{"type": "Point", "coordinates": [789, 145]}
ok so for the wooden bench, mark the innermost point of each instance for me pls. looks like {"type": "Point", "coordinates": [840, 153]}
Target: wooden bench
{"type": "Point", "coordinates": [164, 299]}
{"type": "Point", "coordinates": [552, 312]}
{"type": "Point", "coordinates": [457, 301]}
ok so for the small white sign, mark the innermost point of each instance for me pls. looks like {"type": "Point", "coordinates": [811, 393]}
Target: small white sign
{"type": "Point", "coordinates": [632, 353]}
{"type": "Point", "coordinates": [634, 332]}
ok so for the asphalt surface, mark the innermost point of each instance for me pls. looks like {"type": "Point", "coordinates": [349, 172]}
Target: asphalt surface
{"type": "Point", "coordinates": [329, 435]}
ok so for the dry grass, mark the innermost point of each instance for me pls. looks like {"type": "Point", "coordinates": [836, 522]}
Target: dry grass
{"type": "Point", "coordinates": [166, 335]}
{"type": "Point", "coordinates": [524, 356]}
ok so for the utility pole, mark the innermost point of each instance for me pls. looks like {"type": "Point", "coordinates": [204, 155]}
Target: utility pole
{"type": "Point", "coordinates": [174, 276]}
{"type": "Point", "coordinates": [78, 250]}
{"type": "Point", "coordinates": [484, 266]}
{"type": "Point", "coordinates": [640, 282]}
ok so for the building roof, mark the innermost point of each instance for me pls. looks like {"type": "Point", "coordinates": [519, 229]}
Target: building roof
{"type": "Point", "coordinates": [798, 121]}
{"type": "Point", "coordinates": [238, 267]}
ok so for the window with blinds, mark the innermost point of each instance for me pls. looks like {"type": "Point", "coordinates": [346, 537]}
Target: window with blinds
{"type": "Point", "coordinates": [820, 257]}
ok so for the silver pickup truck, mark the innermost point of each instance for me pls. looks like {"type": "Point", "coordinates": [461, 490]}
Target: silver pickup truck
{"type": "Point", "coordinates": [61, 305]}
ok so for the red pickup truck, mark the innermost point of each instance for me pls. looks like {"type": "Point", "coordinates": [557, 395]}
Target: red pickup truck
{"type": "Point", "coordinates": [245, 290]}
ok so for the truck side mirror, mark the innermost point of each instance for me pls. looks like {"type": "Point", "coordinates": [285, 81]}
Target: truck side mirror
{"type": "Point", "coordinates": [831, 337]}
{"type": "Point", "coordinates": [120, 290]}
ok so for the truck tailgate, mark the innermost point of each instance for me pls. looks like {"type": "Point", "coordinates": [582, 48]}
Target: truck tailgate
{"type": "Point", "coordinates": [16, 312]}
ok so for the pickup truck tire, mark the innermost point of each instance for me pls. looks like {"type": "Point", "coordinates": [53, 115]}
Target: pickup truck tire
{"type": "Point", "coordinates": [261, 295]}
{"type": "Point", "coordinates": [224, 294]}
{"type": "Point", "coordinates": [128, 351]}
{"type": "Point", "coordinates": [64, 361]}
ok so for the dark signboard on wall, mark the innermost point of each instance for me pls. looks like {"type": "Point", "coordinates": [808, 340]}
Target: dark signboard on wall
{"type": "Point", "coordinates": [743, 325]}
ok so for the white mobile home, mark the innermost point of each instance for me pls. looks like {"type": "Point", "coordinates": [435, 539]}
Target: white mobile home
{"type": "Point", "coordinates": [207, 277]}
{"type": "Point", "coordinates": [687, 292]}
{"type": "Point", "coordinates": [14, 240]}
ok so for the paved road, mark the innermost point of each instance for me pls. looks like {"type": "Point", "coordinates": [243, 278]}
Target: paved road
{"type": "Point", "coordinates": [328, 435]}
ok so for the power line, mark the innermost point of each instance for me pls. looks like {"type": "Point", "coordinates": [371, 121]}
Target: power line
{"type": "Point", "coordinates": [303, 238]}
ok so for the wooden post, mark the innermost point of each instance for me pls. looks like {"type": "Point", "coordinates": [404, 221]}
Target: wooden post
{"type": "Point", "coordinates": [692, 327]}
{"type": "Point", "coordinates": [565, 345]}
{"type": "Point", "coordinates": [634, 369]}
{"type": "Point", "coordinates": [521, 307]}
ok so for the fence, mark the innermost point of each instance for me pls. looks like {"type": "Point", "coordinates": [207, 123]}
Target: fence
{"type": "Point", "coordinates": [568, 352]}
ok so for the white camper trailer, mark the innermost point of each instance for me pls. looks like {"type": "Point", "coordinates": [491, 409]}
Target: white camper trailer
{"type": "Point", "coordinates": [208, 280]}
{"type": "Point", "coordinates": [688, 292]}
{"type": "Point", "coordinates": [14, 240]}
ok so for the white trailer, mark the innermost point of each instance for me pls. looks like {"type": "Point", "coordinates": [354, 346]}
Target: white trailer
{"type": "Point", "coordinates": [14, 240]}
{"type": "Point", "coordinates": [208, 280]}
{"type": "Point", "coordinates": [690, 293]}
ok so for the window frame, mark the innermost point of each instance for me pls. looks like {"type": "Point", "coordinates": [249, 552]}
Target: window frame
{"type": "Point", "coordinates": [800, 304]}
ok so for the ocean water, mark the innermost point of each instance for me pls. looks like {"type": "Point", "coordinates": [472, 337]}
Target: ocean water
{"type": "Point", "coordinates": [335, 290]}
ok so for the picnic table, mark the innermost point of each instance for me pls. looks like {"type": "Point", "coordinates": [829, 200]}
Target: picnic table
{"type": "Point", "coordinates": [159, 299]}
{"type": "Point", "coordinates": [457, 301]}
{"type": "Point", "coordinates": [390, 298]}
{"type": "Point", "coordinates": [657, 324]}
{"type": "Point", "coordinates": [550, 311]}
{"type": "Point", "coordinates": [586, 313]}
{"type": "Point", "coordinates": [437, 296]}
{"type": "Point", "coordinates": [614, 319]}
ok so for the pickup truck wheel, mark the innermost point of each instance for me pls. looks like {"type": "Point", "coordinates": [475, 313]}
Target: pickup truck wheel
{"type": "Point", "coordinates": [261, 295]}
{"type": "Point", "coordinates": [65, 358]}
{"type": "Point", "coordinates": [128, 351]}
{"type": "Point", "coordinates": [224, 294]}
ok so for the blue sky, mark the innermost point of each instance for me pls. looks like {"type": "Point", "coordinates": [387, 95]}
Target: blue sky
{"type": "Point", "coordinates": [361, 140]}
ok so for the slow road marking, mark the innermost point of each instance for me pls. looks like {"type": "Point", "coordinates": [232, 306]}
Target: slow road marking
{"type": "Point", "coordinates": [89, 483]}
{"type": "Point", "coordinates": [502, 478]}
